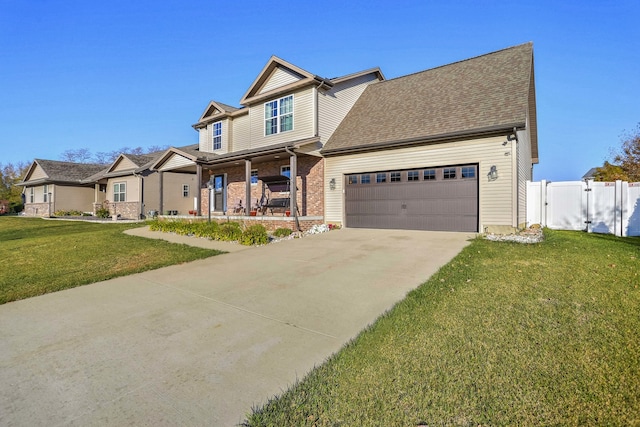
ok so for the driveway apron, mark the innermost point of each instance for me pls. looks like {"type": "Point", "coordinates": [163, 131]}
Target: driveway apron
{"type": "Point", "coordinates": [203, 342]}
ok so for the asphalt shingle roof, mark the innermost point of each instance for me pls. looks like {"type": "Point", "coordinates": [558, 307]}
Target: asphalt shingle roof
{"type": "Point", "coordinates": [487, 91]}
{"type": "Point", "coordinates": [68, 171]}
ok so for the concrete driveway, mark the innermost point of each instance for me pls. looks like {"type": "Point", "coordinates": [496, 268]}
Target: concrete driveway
{"type": "Point", "coordinates": [203, 342]}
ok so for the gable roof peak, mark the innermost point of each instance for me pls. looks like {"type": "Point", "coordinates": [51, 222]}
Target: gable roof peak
{"type": "Point", "coordinates": [274, 63]}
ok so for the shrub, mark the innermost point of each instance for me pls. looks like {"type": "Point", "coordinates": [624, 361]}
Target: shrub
{"type": "Point", "coordinates": [102, 213]}
{"type": "Point", "coordinates": [254, 235]}
{"type": "Point", "coordinates": [229, 231]}
{"type": "Point", "coordinates": [282, 232]}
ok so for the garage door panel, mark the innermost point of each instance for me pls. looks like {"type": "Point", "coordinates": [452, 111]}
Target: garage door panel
{"type": "Point", "coordinates": [439, 205]}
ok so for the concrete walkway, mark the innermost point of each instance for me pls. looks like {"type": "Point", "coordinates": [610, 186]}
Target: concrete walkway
{"type": "Point", "coordinates": [201, 343]}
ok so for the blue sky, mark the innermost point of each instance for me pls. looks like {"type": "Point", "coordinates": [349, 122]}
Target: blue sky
{"type": "Point", "coordinates": [107, 75]}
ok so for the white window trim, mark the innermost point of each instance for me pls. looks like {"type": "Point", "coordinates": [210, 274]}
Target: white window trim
{"type": "Point", "coordinates": [45, 193]}
{"type": "Point", "coordinates": [32, 195]}
{"type": "Point", "coordinates": [278, 117]}
{"type": "Point", "coordinates": [123, 193]}
{"type": "Point", "coordinates": [214, 136]}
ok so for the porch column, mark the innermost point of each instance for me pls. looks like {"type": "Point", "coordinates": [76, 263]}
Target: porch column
{"type": "Point", "coordinates": [247, 186]}
{"type": "Point", "coordinates": [199, 192]}
{"type": "Point", "coordinates": [293, 188]}
{"type": "Point", "coordinates": [161, 187]}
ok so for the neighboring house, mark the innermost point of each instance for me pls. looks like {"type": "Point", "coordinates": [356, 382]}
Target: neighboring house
{"type": "Point", "coordinates": [449, 148]}
{"type": "Point", "coordinates": [130, 189]}
{"type": "Point", "coordinates": [287, 115]}
{"type": "Point", "coordinates": [51, 186]}
{"type": "Point", "coordinates": [591, 174]}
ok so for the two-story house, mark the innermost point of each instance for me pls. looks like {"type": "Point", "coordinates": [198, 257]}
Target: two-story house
{"type": "Point", "coordinates": [286, 116]}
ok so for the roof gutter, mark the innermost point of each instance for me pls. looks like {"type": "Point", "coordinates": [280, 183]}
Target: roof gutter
{"type": "Point", "coordinates": [435, 139]}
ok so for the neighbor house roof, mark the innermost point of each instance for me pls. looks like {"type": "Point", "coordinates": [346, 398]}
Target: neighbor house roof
{"type": "Point", "coordinates": [471, 97]}
{"type": "Point", "coordinates": [61, 172]}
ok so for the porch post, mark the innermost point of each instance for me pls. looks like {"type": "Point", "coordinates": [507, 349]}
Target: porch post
{"type": "Point", "coordinates": [293, 188]}
{"type": "Point", "coordinates": [161, 187]}
{"type": "Point", "coordinates": [199, 191]}
{"type": "Point", "coordinates": [247, 186]}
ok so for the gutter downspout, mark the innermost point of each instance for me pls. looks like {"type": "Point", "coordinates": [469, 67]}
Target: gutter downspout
{"type": "Point", "coordinates": [516, 174]}
{"type": "Point", "coordinates": [140, 194]}
{"type": "Point", "coordinates": [293, 190]}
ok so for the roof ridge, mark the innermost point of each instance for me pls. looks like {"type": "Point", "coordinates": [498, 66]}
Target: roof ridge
{"type": "Point", "coordinates": [457, 62]}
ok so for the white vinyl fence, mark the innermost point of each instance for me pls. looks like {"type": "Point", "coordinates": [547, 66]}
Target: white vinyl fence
{"type": "Point", "coordinates": [596, 207]}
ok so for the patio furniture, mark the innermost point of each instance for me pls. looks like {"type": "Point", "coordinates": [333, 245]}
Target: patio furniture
{"type": "Point", "coordinates": [276, 193]}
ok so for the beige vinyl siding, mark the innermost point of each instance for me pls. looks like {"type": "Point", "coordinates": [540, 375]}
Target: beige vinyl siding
{"type": "Point", "coordinates": [496, 197]}
{"type": "Point", "coordinates": [69, 198]}
{"type": "Point", "coordinates": [241, 133]}
{"type": "Point", "coordinates": [172, 198]}
{"type": "Point", "coordinates": [204, 140]}
{"type": "Point", "coordinates": [280, 77]}
{"type": "Point", "coordinates": [334, 104]}
{"type": "Point", "coordinates": [524, 173]}
{"type": "Point", "coordinates": [38, 173]}
{"type": "Point", "coordinates": [176, 161]}
{"type": "Point", "coordinates": [303, 120]}
{"type": "Point", "coordinates": [38, 193]}
{"type": "Point", "coordinates": [132, 188]}
{"type": "Point", "coordinates": [124, 165]}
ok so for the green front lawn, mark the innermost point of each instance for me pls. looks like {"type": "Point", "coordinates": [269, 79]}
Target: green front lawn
{"type": "Point", "coordinates": [505, 334]}
{"type": "Point", "coordinates": [39, 256]}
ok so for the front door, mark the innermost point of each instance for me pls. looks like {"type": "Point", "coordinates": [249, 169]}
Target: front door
{"type": "Point", "coordinates": [219, 193]}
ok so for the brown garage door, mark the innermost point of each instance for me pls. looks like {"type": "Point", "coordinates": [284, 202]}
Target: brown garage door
{"type": "Point", "coordinates": [439, 199]}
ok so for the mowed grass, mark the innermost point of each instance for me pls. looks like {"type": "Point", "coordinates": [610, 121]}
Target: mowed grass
{"type": "Point", "coordinates": [39, 256]}
{"type": "Point", "coordinates": [505, 334]}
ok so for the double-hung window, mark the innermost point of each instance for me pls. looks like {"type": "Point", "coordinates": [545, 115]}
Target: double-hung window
{"type": "Point", "coordinates": [45, 190]}
{"type": "Point", "coordinates": [119, 192]}
{"type": "Point", "coordinates": [217, 135]}
{"type": "Point", "coordinates": [278, 115]}
{"type": "Point", "coordinates": [31, 195]}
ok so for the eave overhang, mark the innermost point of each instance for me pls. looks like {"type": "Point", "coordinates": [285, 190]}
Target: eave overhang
{"type": "Point", "coordinates": [426, 140]}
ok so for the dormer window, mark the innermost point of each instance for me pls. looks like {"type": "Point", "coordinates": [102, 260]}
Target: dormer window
{"type": "Point", "coordinates": [217, 135]}
{"type": "Point", "coordinates": [278, 115]}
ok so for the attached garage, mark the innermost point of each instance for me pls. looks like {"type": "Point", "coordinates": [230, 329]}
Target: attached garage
{"type": "Point", "coordinates": [449, 148]}
{"type": "Point", "coordinates": [437, 199]}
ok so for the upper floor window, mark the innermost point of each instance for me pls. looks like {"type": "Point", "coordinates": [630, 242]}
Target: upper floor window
{"type": "Point", "coordinates": [217, 135]}
{"type": "Point", "coordinates": [286, 171]}
{"type": "Point", "coordinates": [278, 115]}
{"type": "Point", "coordinates": [119, 192]}
{"type": "Point", "coordinates": [185, 190]}
{"type": "Point", "coordinates": [254, 176]}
